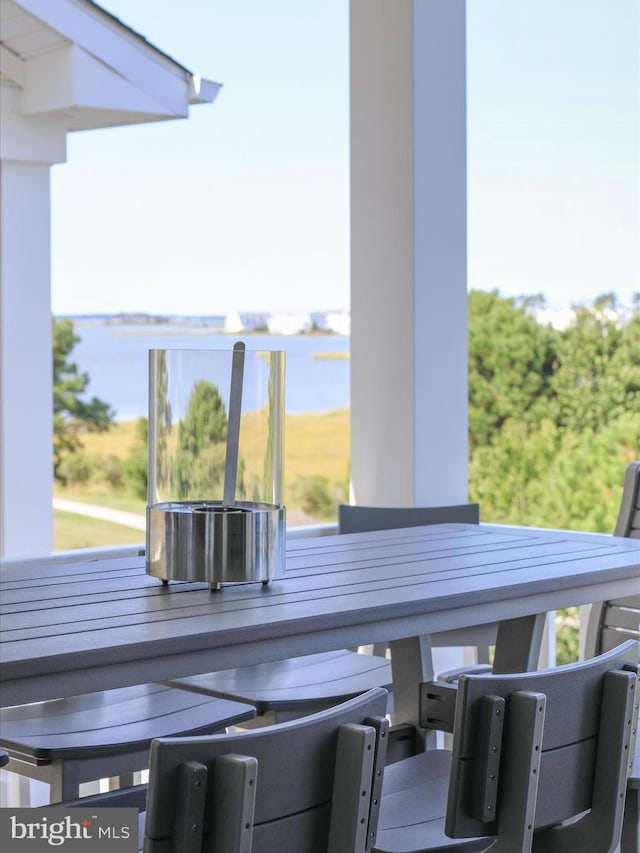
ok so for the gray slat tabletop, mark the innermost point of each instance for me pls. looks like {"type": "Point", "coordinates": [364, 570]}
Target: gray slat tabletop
{"type": "Point", "coordinates": [76, 627]}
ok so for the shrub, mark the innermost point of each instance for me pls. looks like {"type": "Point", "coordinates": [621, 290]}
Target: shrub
{"type": "Point", "coordinates": [76, 468]}
{"type": "Point", "coordinates": [318, 497]}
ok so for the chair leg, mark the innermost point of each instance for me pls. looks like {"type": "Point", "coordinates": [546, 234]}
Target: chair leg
{"type": "Point", "coordinates": [64, 781]}
{"type": "Point", "coordinates": [125, 780]}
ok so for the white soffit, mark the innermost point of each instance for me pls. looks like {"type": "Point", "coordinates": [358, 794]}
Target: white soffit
{"type": "Point", "coordinates": [75, 61]}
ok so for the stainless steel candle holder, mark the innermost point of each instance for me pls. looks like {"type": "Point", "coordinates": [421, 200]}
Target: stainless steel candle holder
{"type": "Point", "coordinates": [216, 428]}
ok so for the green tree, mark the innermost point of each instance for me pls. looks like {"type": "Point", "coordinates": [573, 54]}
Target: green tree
{"type": "Point", "coordinates": [511, 359]}
{"type": "Point", "coordinates": [136, 463]}
{"type": "Point", "coordinates": [581, 490]}
{"type": "Point", "coordinates": [71, 413]}
{"type": "Point", "coordinates": [202, 434]}
{"type": "Point", "coordinates": [507, 475]}
{"type": "Point", "coordinates": [566, 469]}
{"type": "Point", "coordinates": [598, 374]}
{"type": "Point", "coordinates": [318, 497]}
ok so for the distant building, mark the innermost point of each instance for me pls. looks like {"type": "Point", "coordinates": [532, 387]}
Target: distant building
{"type": "Point", "coordinates": [245, 321]}
{"type": "Point", "coordinates": [289, 324]}
{"type": "Point", "coordinates": [339, 322]}
{"type": "Point", "coordinates": [559, 318]}
{"type": "Point", "coordinates": [562, 318]}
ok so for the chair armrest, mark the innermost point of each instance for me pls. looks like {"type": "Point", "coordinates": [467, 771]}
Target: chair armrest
{"type": "Point", "coordinates": [401, 742]}
{"type": "Point", "coordinates": [437, 705]}
{"type": "Point", "coordinates": [452, 675]}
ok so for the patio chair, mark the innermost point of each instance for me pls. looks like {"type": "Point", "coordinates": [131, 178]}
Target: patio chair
{"type": "Point", "coordinates": [540, 763]}
{"type": "Point", "coordinates": [611, 623]}
{"type": "Point", "coordinates": [310, 785]}
{"type": "Point", "coordinates": [66, 742]}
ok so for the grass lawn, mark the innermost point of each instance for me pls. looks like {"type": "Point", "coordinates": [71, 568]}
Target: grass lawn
{"type": "Point", "coordinates": [99, 495]}
{"type": "Point", "coordinates": [315, 445]}
{"type": "Point", "coordinates": [73, 531]}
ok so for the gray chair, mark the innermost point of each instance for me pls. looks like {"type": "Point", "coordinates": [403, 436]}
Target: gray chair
{"type": "Point", "coordinates": [67, 742]}
{"type": "Point", "coordinates": [353, 518]}
{"type": "Point", "coordinates": [517, 642]}
{"type": "Point", "coordinates": [310, 785]}
{"type": "Point", "coordinates": [611, 623]}
{"type": "Point", "coordinates": [540, 763]}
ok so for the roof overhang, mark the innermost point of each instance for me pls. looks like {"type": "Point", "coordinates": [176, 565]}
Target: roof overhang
{"type": "Point", "coordinates": [73, 62]}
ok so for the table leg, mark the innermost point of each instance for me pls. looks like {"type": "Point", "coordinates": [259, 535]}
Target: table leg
{"type": "Point", "coordinates": [518, 644]}
{"type": "Point", "coordinates": [411, 664]}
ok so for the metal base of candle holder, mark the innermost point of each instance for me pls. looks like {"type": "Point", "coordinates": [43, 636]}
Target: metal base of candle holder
{"type": "Point", "coordinates": [214, 543]}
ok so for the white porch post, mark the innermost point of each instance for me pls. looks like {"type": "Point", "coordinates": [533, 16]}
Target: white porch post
{"type": "Point", "coordinates": [26, 418]}
{"type": "Point", "coordinates": [408, 261]}
{"type": "Point", "coordinates": [66, 66]}
{"type": "Point", "coordinates": [25, 340]}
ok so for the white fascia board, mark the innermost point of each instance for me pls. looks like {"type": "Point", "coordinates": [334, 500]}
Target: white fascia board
{"type": "Point", "coordinates": [114, 44]}
{"type": "Point", "coordinates": [70, 79]}
{"type": "Point", "coordinates": [12, 66]}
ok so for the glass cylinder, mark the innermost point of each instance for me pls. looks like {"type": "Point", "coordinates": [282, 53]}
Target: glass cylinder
{"type": "Point", "coordinates": [215, 510]}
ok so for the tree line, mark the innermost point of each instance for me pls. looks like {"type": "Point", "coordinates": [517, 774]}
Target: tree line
{"type": "Point", "coordinates": [554, 416]}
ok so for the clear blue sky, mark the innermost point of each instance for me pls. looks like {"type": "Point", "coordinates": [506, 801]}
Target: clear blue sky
{"type": "Point", "coordinates": [245, 205]}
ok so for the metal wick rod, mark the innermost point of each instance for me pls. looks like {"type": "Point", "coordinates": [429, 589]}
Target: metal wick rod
{"type": "Point", "coordinates": [233, 425]}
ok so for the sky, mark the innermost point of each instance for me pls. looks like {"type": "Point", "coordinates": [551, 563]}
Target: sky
{"type": "Point", "coordinates": [245, 205]}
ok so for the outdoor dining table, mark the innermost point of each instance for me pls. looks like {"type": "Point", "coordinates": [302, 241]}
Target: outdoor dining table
{"type": "Point", "coordinates": [81, 626]}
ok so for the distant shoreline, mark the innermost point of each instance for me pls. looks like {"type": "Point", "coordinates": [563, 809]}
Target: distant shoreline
{"type": "Point", "coordinates": [188, 325]}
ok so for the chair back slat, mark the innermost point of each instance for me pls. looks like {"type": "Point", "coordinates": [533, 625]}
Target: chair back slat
{"type": "Point", "coordinates": [609, 639]}
{"type": "Point", "coordinates": [634, 528]}
{"type": "Point", "coordinates": [583, 741]}
{"type": "Point", "coordinates": [359, 519]}
{"type": "Point", "coordinates": [624, 616]}
{"type": "Point", "coordinates": [628, 522]}
{"type": "Point", "coordinates": [296, 765]}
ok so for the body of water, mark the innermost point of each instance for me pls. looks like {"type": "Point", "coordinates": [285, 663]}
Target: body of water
{"type": "Point", "coordinates": [117, 361]}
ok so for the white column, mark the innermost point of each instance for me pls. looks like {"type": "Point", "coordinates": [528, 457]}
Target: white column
{"type": "Point", "coordinates": [29, 148]}
{"type": "Point", "coordinates": [408, 252]}
{"type": "Point", "coordinates": [26, 418]}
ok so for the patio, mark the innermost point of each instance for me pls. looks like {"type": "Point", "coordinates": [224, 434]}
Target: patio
{"type": "Point", "coordinates": [408, 256]}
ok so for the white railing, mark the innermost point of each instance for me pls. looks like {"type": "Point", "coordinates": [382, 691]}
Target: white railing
{"type": "Point", "coordinates": [114, 552]}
